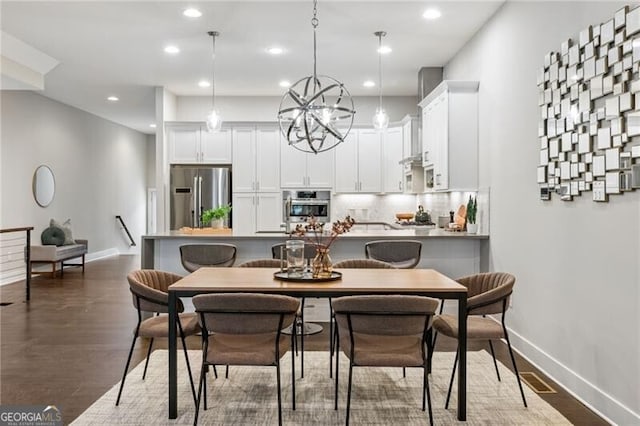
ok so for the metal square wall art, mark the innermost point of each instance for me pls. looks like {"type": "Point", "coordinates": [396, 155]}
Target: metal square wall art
{"type": "Point", "coordinates": [589, 101]}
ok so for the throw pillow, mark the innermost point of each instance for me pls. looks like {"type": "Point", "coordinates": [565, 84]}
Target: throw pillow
{"type": "Point", "coordinates": [52, 236]}
{"type": "Point", "coordinates": [66, 228]}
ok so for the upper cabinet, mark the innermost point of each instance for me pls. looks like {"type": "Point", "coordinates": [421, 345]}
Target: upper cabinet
{"type": "Point", "coordinates": [358, 162]}
{"type": "Point", "coordinates": [305, 170]}
{"type": "Point", "coordinates": [393, 151]}
{"type": "Point", "coordinates": [256, 159]}
{"type": "Point", "coordinates": [450, 137]}
{"type": "Point", "coordinates": [191, 143]}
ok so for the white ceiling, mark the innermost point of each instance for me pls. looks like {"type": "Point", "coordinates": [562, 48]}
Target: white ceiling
{"type": "Point", "coordinates": [116, 48]}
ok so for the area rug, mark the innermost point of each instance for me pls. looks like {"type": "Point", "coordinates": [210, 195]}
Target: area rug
{"type": "Point", "coordinates": [381, 396]}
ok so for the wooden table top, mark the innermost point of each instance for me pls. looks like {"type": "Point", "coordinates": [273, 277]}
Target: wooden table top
{"type": "Point", "coordinates": [354, 281]}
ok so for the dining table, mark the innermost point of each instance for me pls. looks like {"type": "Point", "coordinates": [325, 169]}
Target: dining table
{"type": "Point", "coordinates": [420, 282]}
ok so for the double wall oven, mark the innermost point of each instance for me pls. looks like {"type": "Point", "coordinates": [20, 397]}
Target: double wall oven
{"type": "Point", "coordinates": [298, 205]}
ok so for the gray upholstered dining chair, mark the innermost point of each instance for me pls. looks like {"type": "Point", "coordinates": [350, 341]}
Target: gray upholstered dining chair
{"type": "Point", "coordinates": [195, 256]}
{"type": "Point", "coordinates": [245, 329]}
{"type": "Point", "coordinates": [309, 251]}
{"type": "Point", "coordinates": [261, 263]}
{"type": "Point", "coordinates": [149, 289]}
{"type": "Point", "coordinates": [487, 294]}
{"type": "Point", "coordinates": [349, 264]}
{"type": "Point", "coordinates": [305, 328]}
{"type": "Point", "coordinates": [403, 323]}
{"type": "Point", "coordinates": [404, 254]}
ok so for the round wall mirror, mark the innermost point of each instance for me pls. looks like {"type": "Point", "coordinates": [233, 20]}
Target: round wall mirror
{"type": "Point", "coordinates": [44, 186]}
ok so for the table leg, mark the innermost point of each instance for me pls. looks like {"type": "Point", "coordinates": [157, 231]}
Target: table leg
{"type": "Point", "coordinates": [173, 373]}
{"type": "Point", "coordinates": [462, 357]}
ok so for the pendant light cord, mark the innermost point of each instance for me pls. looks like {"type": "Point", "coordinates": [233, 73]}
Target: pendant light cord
{"type": "Point", "coordinates": [380, 35]}
{"type": "Point", "coordinates": [314, 23]}
{"type": "Point", "coordinates": [213, 35]}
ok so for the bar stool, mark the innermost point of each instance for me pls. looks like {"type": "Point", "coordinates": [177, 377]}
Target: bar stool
{"type": "Point", "coordinates": [195, 256]}
{"type": "Point", "coordinates": [402, 254]}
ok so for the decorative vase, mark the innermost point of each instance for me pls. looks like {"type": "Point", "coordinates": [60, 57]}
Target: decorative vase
{"type": "Point", "coordinates": [217, 223]}
{"type": "Point", "coordinates": [472, 228]}
{"type": "Point", "coordinates": [321, 266]}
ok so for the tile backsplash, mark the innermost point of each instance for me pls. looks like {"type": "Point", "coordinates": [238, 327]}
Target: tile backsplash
{"type": "Point", "coordinates": [382, 208]}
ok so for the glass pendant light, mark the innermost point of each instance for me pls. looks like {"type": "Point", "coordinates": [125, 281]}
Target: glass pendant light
{"type": "Point", "coordinates": [314, 107]}
{"type": "Point", "coordinates": [214, 120]}
{"type": "Point", "coordinates": [380, 118]}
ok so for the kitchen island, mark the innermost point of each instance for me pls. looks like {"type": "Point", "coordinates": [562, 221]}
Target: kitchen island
{"type": "Point", "coordinates": [455, 254]}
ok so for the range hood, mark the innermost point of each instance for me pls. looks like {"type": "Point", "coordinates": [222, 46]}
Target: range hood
{"type": "Point", "coordinates": [428, 79]}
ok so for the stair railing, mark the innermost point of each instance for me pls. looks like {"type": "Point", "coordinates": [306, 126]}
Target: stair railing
{"type": "Point", "coordinates": [124, 226]}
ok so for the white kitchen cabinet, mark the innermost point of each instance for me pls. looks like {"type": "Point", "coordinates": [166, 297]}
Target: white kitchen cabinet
{"type": "Point", "coordinates": [393, 149]}
{"type": "Point", "coordinates": [358, 162]}
{"type": "Point", "coordinates": [305, 170]}
{"type": "Point", "coordinates": [257, 201]}
{"type": "Point", "coordinates": [450, 136]}
{"type": "Point", "coordinates": [191, 143]}
{"type": "Point", "coordinates": [256, 159]}
{"type": "Point", "coordinates": [256, 212]}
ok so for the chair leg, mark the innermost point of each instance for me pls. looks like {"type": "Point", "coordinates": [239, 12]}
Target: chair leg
{"type": "Point", "coordinates": [349, 391]}
{"type": "Point", "coordinates": [186, 358]}
{"type": "Point", "coordinates": [433, 349]}
{"type": "Point", "coordinates": [205, 392]}
{"type": "Point", "coordinates": [302, 341]}
{"type": "Point", "coordinates": [515, 367]}
{"type": "Point", "coordinates": [126, 367]}
{"type": "Point", "coordinates": [226, 372]}
{"type": "Point", "coordinates": [429, 349]}
{"type": "Point", "coordinates": [426, 385]}
{"type": "Point", "coordinates": [146, 364]}
{"type": "Point", "coordinates": [203, 375]}
{"type": "Point", "coordinates": [337, 373]}
{"type": "Point", "coordinates": [495, 363]}
{"type": "Point", "coordinates": [293, 374]}
{"type": "Point", "coordinates": [404, 372]}
{"type": "Point", "coordinates": [279, 394]}
{"type": "Point", "coordinates": [453, 374]}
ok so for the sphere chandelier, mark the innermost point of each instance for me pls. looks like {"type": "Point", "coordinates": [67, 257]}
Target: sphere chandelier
{"type": "Point", "coordinates": [316, 113]}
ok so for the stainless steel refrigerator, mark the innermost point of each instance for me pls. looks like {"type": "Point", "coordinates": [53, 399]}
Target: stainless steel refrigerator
{"type": "Point", "coordinates": [195, 189]}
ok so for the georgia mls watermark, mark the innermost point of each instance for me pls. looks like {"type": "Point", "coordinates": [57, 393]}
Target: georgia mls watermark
{"type": "Point", "coordinates": [30, 415]}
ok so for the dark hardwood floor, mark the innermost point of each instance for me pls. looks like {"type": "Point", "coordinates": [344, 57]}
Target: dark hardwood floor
{"type": "Point", "coordinates": [69, 344]}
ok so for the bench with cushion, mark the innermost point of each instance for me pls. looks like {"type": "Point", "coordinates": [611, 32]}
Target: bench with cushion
{"type": "Point", "coordinates": [54, 254]}
{"type": "Point", "coordinates": [58, 245]}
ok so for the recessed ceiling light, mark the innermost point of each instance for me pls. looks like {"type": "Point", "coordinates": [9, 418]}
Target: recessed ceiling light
{"type": "Point", "coordinates": [172, 50]}
{"type": "Point", "coordinates": [192, 13]}
{"type": "Point", "coordinates": [284, 83]}
{"type": "Point", "coordinates": [275, 50]}
{"type": "Point", "coordinates": [369, 83]}
{"type": "Point", "coordinates": [383, 50]}
{"type": "Point", "coordinates": [431, 14]}
{"type": "Point", "coordinates": [204, 83]}
{"type": "Point", "coordinates": [113, 98]}
{"type": "Point", "coordinates": [152, 125]}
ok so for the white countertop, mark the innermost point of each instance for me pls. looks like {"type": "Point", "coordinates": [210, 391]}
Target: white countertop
{"type": "Point", "coordinates": [427, 232]}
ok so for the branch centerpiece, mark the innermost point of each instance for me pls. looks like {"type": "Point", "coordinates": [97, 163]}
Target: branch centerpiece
{"type": "Point", "coordinates": [313, 232]}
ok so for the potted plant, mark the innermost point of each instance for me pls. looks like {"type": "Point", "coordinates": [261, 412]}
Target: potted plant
{"type": "Point", "coordinates": [472, 210]}
{"type": "Point", "coordinates": [215, 216]}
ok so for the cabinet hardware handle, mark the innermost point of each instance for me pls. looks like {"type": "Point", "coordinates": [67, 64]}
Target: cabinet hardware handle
{"type": "Point", "coordinates": [355, 186]}
{"type": "Point", "coordinates": [400, 185]}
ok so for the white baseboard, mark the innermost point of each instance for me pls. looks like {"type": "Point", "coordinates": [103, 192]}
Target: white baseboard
{"type": "Point", "coordinates": [586, 392]}
{"type": "Point", "coordinates": [90, 257]}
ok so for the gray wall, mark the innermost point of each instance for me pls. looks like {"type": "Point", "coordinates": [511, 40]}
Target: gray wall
{"type": "Point", "coordinates": [576, 306]}
{"type": "Point", "coordinates": [265, 108]}
{"type": "Point", "coordinates": [100, 171]}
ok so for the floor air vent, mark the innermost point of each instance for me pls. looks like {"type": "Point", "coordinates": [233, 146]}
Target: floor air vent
{"type": "Point", "coordinates": [536, 383]}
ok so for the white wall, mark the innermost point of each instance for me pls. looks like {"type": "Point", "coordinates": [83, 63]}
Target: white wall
{"type": "Point", "coordinates": [100, 171]}
{"type": "Point", "coordinates": [576, 306]}
{"type": "Point", "coordinates": [265, 108]}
